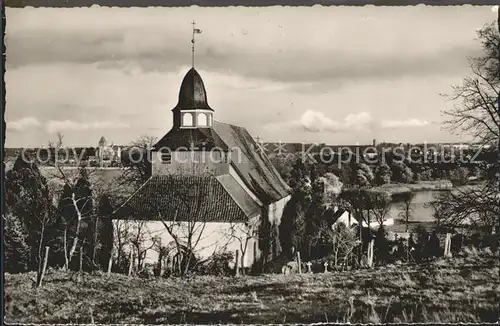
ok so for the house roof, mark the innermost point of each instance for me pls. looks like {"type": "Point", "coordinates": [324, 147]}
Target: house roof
{"type": "Point", "coordinates": [192, 94]}
{"type": "Point", "coordinates": [252, 164]}
{"type": "Point", "coordinates": [179, 197]}
{"type": "Point", "coordinates": [248, 204]}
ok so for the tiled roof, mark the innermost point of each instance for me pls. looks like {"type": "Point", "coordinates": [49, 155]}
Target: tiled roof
{"type": "Point", "coordinates": [251, 164]}
{"type": "Point", "coordinates": [183, 198]}
{"type": "Point", "coordinates": [249, 206]}
{"type": "Point", "coordinates": [254, 167]}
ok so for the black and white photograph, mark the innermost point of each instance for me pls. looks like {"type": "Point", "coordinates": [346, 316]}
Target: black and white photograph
{"type": "Point", "coordinates": [251, 165]}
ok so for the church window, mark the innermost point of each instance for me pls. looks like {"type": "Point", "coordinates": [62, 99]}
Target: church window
{"type": "Point", "coordinates": [202, 119]}
{"type": "Point", "coordinates": [187, 119]}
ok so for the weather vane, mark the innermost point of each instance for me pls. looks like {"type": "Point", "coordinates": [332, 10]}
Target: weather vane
{"type": "Point", "coordinates": [195, 31]}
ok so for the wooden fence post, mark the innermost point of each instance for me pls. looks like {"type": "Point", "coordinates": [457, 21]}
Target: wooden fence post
{"type": "Point", "coordinates": [242, 263]}
{"type": "Point", "coordinates": [80, 270]}
{"type": "Point", "coordinates": [236, 268]}
{"type": "Point", "coordinates": [299, 264]}
{"type": "Point", "coordinates": [131, 262]}
{"type": "Point", "coordinates": [44, 267]}
{"type": "Point", "coordinates": [65, 248]}
{"type": "Point", "coordinates": [255, 251]}
{"type": "Point", "coordinates": [161, 270]}
{"type": "Point", "coordinates": [168, 266]}
{"type": "Point", "coordinates": [370, 253]}
{"type": "Point", "coordinates": [110, 262]}
{"type": "Point", "coordinates": [447, 245]}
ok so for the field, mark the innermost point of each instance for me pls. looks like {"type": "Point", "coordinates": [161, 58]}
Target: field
{"type": "Point", "coordinates": [465, 288]}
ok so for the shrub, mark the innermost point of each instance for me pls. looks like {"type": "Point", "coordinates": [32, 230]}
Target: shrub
{"type": "Point", "coordinates": [217, 264]}
{"type": "Point", "coordinates": [16, 248]}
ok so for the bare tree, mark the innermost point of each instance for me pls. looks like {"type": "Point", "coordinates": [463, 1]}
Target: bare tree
{"type": "Point", "coordinates": [476, 113]}
{"type": "Point", "coordinates": [137, 161]}
{"type": "Point", "coordinates": [379, 204]}
{"type": "Point", "coordinates": [406, 206]}
{"type": "Point", "coordinates": [344, 240]}
{"type": "Point", "coordinates": [73, 199]}
{"type": "Point", "coordinates": [76, 204]}
{"type": "Point", "coordinates": [243, 233]}
{"type": "Point", "coordinates": [471, 206]}
{"type": "Point", "coordinates": [142, 241]}
{"type": "Point", "coordinates": [476, 110]}
{"type": "Point", "coordinates": [184, 215]}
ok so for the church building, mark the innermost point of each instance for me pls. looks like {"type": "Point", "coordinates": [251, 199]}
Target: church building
{"type": "Point", "coordinates": [211, 185]}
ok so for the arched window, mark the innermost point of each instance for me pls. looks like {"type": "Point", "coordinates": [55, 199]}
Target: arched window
{"type": "Point", "coordinates": [187, 119]}
{"type": "Point", "coordinates": [202, 119]}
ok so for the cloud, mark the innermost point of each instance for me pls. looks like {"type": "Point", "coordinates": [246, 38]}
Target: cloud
{"type": "Point", "coordinates": [23, 123]}
{"type": "Point", "coordinates": [314, 121]}
{"type": "Point", "coordinates": [55, 125]}
{"type": "Point", "coordinates": [151, 40]}
{"type": "Point", "coordinates": [404, 123]}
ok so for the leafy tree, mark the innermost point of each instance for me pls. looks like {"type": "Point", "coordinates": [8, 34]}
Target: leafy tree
{"type": "Point", "coordinates": [362, 175]}
{"type": "Point", "coordinates": [106, 230]}
{"type": "Point", "coordinates": [315, 224]}
{"type": "Point", "coordinates": [381, 250]}
{"type": "Point", "coordinates": [16, 245]}
{"type": "Point", "coordinates": [283, 164]}
{"type": "Point", "coordinates": [354, 200]}
{"type": "Point", "coordinates": [292, 226]}
{"type": "Point", "coordinates": [378, 204]}
{"type": "Point", "coordinates": [383, 174]}
{"type": "Point", "coordinates": [299, 176]}
{"type": "Point", "coordinates": [401, 173]}
{"type": "Point", "coordinates": [27, 197]}
{"type": "Point", "coordinates": [332, 188]}
{"type": "Point", "coordinates": [459, 176]}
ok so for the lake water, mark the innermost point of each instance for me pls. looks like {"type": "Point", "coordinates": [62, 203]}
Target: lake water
{"type": "Point", "coordinates": [420, 212]}
{"type": "Point", "coordinates": [421, 215]}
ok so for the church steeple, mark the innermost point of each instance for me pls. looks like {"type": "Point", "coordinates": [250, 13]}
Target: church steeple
{"type": "Point", "coordinates": [192, 109]}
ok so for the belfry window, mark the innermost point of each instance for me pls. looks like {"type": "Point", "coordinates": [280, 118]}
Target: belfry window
{"type": "Point", "coordinates": [202, 119]}
{"type": "Point", "coordinates": [187, 119]}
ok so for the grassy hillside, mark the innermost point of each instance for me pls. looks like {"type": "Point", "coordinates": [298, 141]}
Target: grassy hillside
{"type": "Point", "coordinates": [464, 288]}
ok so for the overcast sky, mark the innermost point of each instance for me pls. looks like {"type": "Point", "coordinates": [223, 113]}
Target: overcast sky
{"type": "Point", "coordinates": [339, 75]}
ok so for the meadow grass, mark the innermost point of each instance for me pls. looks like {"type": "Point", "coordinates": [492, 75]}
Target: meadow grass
{"type": "Point", "coordinates": [461, 289]}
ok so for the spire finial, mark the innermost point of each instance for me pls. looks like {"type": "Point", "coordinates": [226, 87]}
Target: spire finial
{"type": "Point", "coordinates": [195, 31]}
